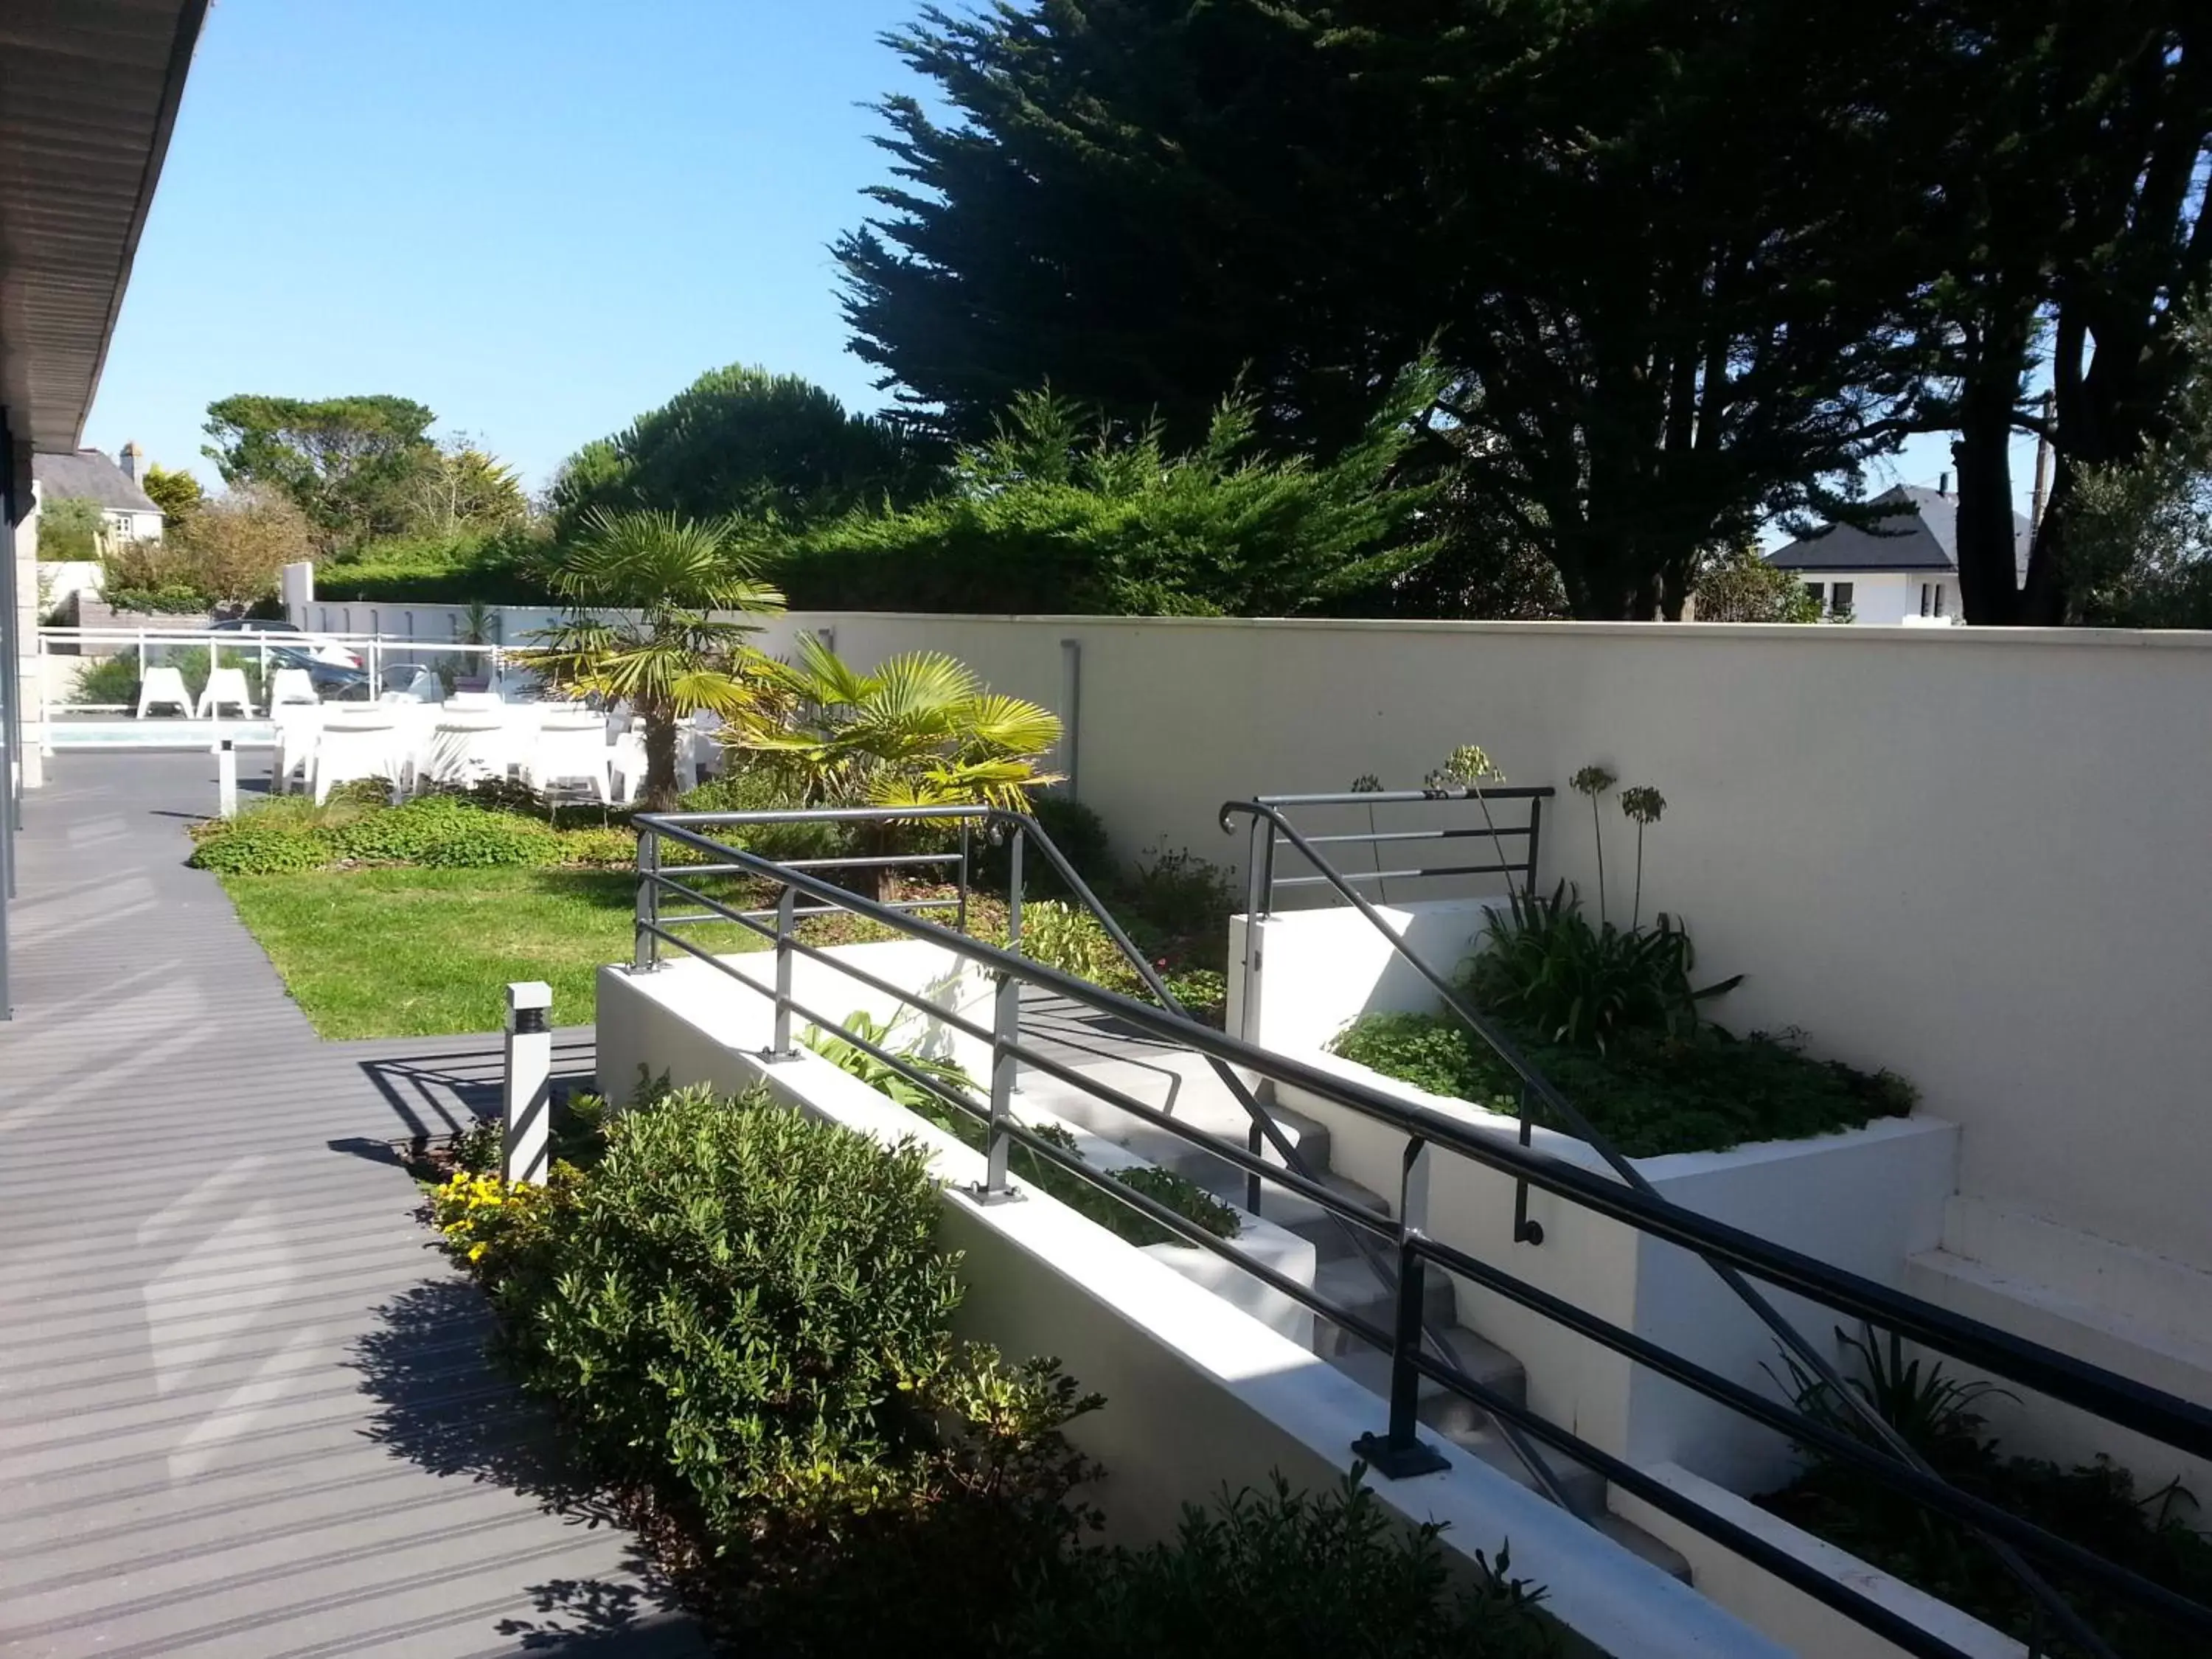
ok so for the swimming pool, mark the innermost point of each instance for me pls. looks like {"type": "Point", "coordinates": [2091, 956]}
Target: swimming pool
{"type": "Point", "coordinates": [158, 734]}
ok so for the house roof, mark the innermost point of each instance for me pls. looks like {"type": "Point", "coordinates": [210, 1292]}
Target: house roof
{"type": "Point", "coordinates": [90, 476]}
{"type": "Point", "coordinates": [1921, 532]}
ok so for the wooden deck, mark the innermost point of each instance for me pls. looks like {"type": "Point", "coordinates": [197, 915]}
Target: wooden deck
{"type": "Point", "coordinates": [243, 1407]}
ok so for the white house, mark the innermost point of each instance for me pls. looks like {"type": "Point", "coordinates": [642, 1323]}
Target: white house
{"type": "Point", "coordinates": [128, 513]}
{"type": "Point", "coordinates": [1903, 569]}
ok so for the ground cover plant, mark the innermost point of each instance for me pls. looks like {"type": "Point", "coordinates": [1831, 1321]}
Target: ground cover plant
{"type": "Point", "coordinates": [2096, 1505]}
{"type": "Point", "coordinates": [738, 1316]}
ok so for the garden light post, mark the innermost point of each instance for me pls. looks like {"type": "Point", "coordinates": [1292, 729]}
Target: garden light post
{"type": "Point", "coordinates": [526, 1097]}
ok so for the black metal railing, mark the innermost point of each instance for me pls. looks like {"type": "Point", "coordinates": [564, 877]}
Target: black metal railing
{"type": "Point", "coordinates": [1397, 1450]}
{"type": "Point", "coordinates": [1506, 841]}
{"type": "Point", "coordinates": [1269, 822]}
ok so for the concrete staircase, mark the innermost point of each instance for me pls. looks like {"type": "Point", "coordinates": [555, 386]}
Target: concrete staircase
{"type": "Point", "coordinates": [1184, 1085]}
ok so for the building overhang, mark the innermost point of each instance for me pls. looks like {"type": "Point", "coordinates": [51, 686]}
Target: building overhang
{"type": "Point", "coordinates": [89, 95]}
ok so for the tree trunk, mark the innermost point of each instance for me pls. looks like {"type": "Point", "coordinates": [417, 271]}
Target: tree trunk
{"type": "Point", "coordinates": [1988, 580]}
{"type": "Point", "coordinates": [661, 791]}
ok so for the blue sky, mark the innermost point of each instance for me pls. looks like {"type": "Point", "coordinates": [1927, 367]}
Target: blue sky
{"type": "Point", "coordinates": [540, 219]}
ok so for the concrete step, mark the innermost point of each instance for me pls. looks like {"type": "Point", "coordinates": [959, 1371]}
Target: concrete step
{"type": "Point", "coordinates": [1350, 1284]}
{"type": "Point", "coordinates": [1439, 1408]}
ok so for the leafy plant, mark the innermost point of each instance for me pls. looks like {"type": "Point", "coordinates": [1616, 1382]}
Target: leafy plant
{"type": "Point", "coordinates": [1935, 1414]}
{"type": "Point", "coordinates": [760, 789]}
{"type": "Point", "coordinates": [1593, 781]}
{"type": "Point", "coordinates": [443, 832]}
{"type": "Point", "coordinates": [643, 592]}
{"type": "Point", "coordinates": [1546, 966]}
{"type": "Point", "coordinates": [1078, 832]}
{"type": "Point", "coordinates": [71, 528]}
{"type": "Point", "coordinates": [1648, 1094]}
{"type": "Point", "coordinates": [1065, 936]}
{"type": "Point", "coordinates": [1292, 1575]}
{"type": "Point", "coordinates": [108, 680]}
{"type": "Point", "coordinates": [263, 850]}
{"type": "Point", "coordinates": [1183, 1195]}
{"type": "Point", "coordinates": [887, 1079]}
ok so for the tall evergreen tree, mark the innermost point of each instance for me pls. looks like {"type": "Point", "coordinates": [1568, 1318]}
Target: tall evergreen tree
{"type": "Point", "coordinates": [1657, 244]}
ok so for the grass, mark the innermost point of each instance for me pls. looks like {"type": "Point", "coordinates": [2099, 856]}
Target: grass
{"type": "Point", "coordinates": [413, 952]}
{"type": "Point", "coordinates": [400, 950]}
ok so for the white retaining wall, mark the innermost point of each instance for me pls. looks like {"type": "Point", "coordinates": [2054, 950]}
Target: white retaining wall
{"type": "Point", "coordinates": [1199, 1396]}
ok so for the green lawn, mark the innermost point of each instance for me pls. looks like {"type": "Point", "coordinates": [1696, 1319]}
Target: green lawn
{"type": "Point", "coordinates": [412, 952]}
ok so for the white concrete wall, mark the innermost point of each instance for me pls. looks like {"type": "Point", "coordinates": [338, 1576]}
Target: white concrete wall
{"type": "Point", "coordinates": [1199, 1396]}
{"type": "Point", "coordinates": [1972, 855]}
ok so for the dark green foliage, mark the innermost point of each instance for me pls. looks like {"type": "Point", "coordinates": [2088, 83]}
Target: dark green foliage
{"type": "Point", "coordinates": [738, 1295]}
{"type": "Point", "coordinates": [1291, 1576]}
{"type": "Point", "coordinates": [2095, 1506]}
{"type": "Point", "coordinates": [113, 679]}
{"type": "Point", "coordinates": [756, 788]}
{"type": "Point", "coordinates": [442, 832]}
{"type": "Point", "coordinates": [503, 566]}
{"type": "Point", "coordinates": [71, 529]}
{"type": "Point", "coordinates": [1648, 1093]}
{"type": "Point", "coordinates": [351, 464]}
{"type": "Point", "coordinates": [263, 850]}
{"type": "Point", "coordinates": [1184, 1196]}
{"type": "Point", "coordinates": [742, 440]}
{"type": "Point", "coordinates": [1548, 968]}
{"type": "Point", "coordinates": [1056, 512]}
{"type": "Point", "coordinates": [170, 600]}
{"type": "Point", "coordinates": [1072, 827]}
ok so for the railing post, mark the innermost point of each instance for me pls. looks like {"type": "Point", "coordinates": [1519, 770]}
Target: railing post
{"type": "Point", "coordinates": [526, 1097]}
{"type": "Point", "coordinates": [1535, 831]}
{"type": "Point", "coordinates": [1014, 888]}
{"type": "Point", "coordinates": [960, 925]}
{"type": "Point", "coordinates": [645, 955]}
{"type": "Point", "coordinates": [226, 779]}
{"type": "Point", "coordinates": [1400, 1452]}
{"type": "Point", "coordinates": [786, 922]}
{"type": "Point", "coordinates": [1525, 1231]}
{"type": "Point", "coordinates": [1005, 1031]}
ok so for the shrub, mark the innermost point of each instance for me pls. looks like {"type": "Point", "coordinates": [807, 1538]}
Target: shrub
{"type": "Point", "coordinates": [1074, 828]}
{"type": "Point", "coordinates": [1648, 1095]}
{"type": "Point", "coordinates": [274, 848]}
{"type": "Point", "coordinates": [738, 1295]}
{"type": "Point", "coordinates": [1184, 1196]}
{"type": "Point", "coordinates": [1182, 894]}
{"type": "Point", "coordinates": [112, 679]}
{"type": "Point", "coordinates": [1062, 935]}
{"type": "Point", "coordinates": [1292, 1575]}
{"type": "Point", "coordinates": [754, 788]}
{"type": "Point", "coordinates": [609, 848]}
{"type": "Point", "coordinates": [1548, 969]}
{"type": "Point", "coordinates": [445, 832]}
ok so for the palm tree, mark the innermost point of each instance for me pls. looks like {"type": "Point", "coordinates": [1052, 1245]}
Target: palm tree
{"type": "Point", "coordinates": [919, 730]}
{"type": "Point", "coordinates": [646, 592]}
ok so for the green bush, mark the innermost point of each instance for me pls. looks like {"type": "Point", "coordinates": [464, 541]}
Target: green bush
{"type": "Point", "coordinates": [739, 1295]}
{"type": "Point", "coordinates": [2096, 1506]}
{"type": "Point", "coordinates": [114, 679]}
{"type": "Point", "coordinates": [595, 846]}
{"type": "Point", "coordinates": [499, 567]}
{"type": "Point", "coordinates": [445, 832]}
{"type": "Point", "coordinates": [1069, 937]}
{"type": "Point", "coordinates": [755, 788]}
{"type": "Point", "coordinates": [1074, 828]}
{"type": "Point", "coordinates": [1648, 1094]}
{"type": "Point", "coordinates": [1548, 968]}
{"type": "Point", "coordinates": [263, 850]}
{"type": "Point", "coordinates": [1289, 1575]}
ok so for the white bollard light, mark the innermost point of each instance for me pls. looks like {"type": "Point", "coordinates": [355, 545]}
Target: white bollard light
{"type": "Point", "coordinates": [226, 779]}
{"type": "Point", "coordinates": [527, 1101]}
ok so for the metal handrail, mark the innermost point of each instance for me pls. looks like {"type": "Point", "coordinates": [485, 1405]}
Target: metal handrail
{"type": "Point", "coordinates": [1792, 1340]}
{"type": "Point", "coordinates": [1023, 831]}
{"type": "Point", "coordinates": [2178, 1423]}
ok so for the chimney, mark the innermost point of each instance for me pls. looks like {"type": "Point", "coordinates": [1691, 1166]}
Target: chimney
{"type": "Point", "coordinates": [1943, 484]}
{"type": "Point", "coordinates": [134, 462]}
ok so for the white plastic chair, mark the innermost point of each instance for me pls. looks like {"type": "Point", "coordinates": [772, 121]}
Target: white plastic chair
{"type": "Point", "coordinates": [298, 726]}
{"type": "Point", "coordinates": [419, 685]}
{"type": "Point", "coordinates": [466, 750]}
{"type": "Point", "coordinates": [472, 701]}
{"type": "Point", "coordinates": [628, 762]}
{"type": "Point", "coordinates": [164, 685]}
{"type": "Point", "coordinates": [291, 685]}
{"type": "Point", "coordinates": [226, 688]}
{"type": "Point", "coordinates": [570, 748]}
{"type": "Point", "coordinates": [351, 748]}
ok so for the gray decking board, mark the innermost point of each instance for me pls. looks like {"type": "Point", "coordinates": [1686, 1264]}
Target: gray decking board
{"type": "Point", "coordinates": [243, 1405]}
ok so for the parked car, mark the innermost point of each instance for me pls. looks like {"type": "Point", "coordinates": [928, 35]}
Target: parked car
{"type": "Point", "coordinates": [335, 669]}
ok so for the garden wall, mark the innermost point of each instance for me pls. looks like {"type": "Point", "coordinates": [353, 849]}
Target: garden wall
{"type": "Point", "coordinates": [1199, 1396]}
{"type": "Point", "coordinates": [1974, 855]}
